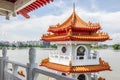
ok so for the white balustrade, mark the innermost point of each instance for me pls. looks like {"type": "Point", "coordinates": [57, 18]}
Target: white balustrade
{"type": "Point", "coordinates": [31, 68]}
{"type": "Point", "coordinates": [60, 58]}
{"type": "Point", "coordinates": [94, 55]}
{"type": "Point", "coordinates": [6, 74]}
{"type": "Point", "coordinates": [92, 59]}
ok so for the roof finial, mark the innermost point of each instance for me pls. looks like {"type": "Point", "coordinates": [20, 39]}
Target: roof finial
{"type": "Point", "coordinates": [73, 18]}
{"type": "Point", "coordinates": [73, 6]}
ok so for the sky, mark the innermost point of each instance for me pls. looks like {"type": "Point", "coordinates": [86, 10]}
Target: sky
{"type": "Point", "coordinates": [105, 12]}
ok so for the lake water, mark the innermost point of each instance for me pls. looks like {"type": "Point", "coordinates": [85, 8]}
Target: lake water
{"type": "Point", "coordinates": [109, 55]}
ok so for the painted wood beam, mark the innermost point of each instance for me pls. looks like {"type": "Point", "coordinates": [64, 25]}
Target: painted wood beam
{"type": "Point", "coordinates": [7, 6]}
{"type": "Point", "coordinates": [2, 13]}
{"type": "Point", "coordinates": [6, 14]}
{"type": "Point", "coordinates": [20, 4]}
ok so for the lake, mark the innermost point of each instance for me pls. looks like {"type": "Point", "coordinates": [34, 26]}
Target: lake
{"type": "Point", "coordinates": [109, 55]}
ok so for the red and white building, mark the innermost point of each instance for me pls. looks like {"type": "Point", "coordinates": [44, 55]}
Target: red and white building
{"type": "Point", "coordinates": [73, 56]}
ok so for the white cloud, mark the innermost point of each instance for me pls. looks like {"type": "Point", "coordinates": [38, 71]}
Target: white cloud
{"type": "Point", "coordinates": [93, 5]}
{"type": "Point", "coordinates": [58, 4]}
{"type": "Point", "coordinates": [111, 21]}
{"type": "Point", "coordinates": [116, 38]}
{"type": "Point", "coordinates": [33, 28]}
{"type": "Point", "coordinates": [28, 29]}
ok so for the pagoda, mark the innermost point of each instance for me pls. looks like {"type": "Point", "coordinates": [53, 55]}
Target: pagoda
{"type": "Point", "coordinates": [74, 57]}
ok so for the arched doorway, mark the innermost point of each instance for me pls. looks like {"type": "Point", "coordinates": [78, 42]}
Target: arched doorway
{"type": "Point", "coordinates": [81, 77]}
{"type": "Point", "coordinates": [80, 52]}
{"type": "Point", "coordinates": [64, 74]}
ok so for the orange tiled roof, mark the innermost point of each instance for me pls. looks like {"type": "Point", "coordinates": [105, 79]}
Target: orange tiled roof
{"type": "Point", "coordinates": [75, 29]}
{"type": "Point", "coordinates": [76, 37]}
{"type": "Point", "coordinates": [100, 78]}
{"type": "Point", "coordinates": [75, 23]}
{"type": "Point", "coordinates": [76, 69]}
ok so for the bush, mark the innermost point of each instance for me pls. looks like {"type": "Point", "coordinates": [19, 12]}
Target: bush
{"type": "Point", "coordinates": [116, 46]}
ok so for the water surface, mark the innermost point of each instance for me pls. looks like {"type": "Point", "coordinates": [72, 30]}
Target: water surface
{"type": "Point", "coordinates": [109, 55]}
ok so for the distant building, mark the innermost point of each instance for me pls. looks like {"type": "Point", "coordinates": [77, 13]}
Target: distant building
{"type": "Point", "coordinates": [18, 43]}
{"type": "Point", "coordinates": [46, 43]}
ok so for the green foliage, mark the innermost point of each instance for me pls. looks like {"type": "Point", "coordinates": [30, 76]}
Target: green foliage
{"type": "Point", "coordinates": [95, 47]}
{"type": "Point", "coordinates": [4, 45]}
{"type": "Point", "coordinates": [53, 46]}
{"type": "Point", "coordinates": [116, 46]}
{"type": "Point", "coordinates": [103, 46]}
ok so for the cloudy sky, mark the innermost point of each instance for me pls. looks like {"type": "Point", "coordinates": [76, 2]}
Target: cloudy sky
{"type": "Point", "coordinates": [105, 12]}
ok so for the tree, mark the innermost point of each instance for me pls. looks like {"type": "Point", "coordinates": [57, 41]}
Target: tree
{"type": "Point", "coordinates": [116, 46]}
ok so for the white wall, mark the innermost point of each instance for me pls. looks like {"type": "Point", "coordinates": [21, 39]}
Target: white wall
{"type": "Point", "coordinates": [71, 52]}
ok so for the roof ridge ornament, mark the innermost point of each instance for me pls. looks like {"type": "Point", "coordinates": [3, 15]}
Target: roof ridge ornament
{"type": "Point", "coordinates": [73, 20]}
{"type": "Point", "coordinates": [73, 6]}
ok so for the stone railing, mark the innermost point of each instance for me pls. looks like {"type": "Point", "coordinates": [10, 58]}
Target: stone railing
{"type": "Point", "coordinates": [31, 69]}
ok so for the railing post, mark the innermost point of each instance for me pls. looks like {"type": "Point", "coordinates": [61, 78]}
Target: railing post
{"type": "Point", "coordinates": [15, 67]}
{"type": "Point", "coordinates": [2, 63]}
{"type": "Point", "coordinates": [31, 65]}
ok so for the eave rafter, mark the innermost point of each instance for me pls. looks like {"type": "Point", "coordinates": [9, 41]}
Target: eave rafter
{"type": "Point", "coordinates": [23, 7]}
{"type": "Point", "coordinates": [20, 4]}
{"type": "Point", "coordinates": [3, 13]}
